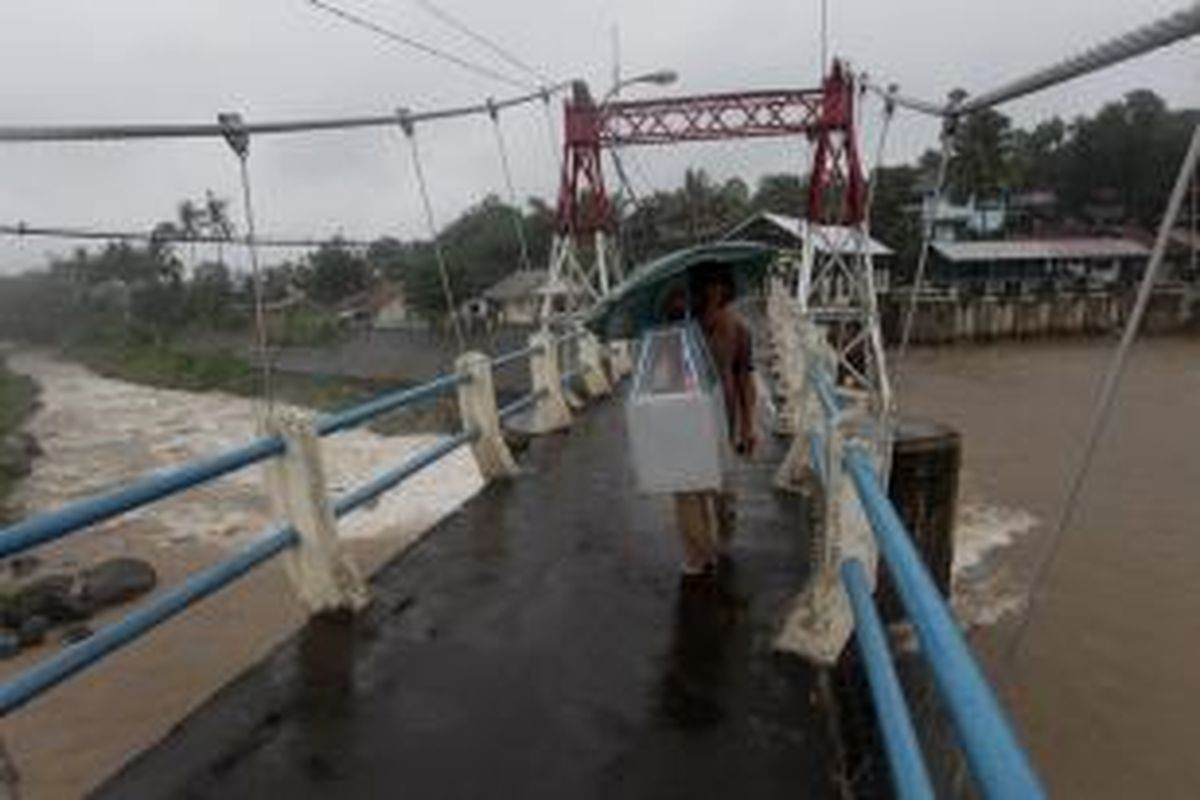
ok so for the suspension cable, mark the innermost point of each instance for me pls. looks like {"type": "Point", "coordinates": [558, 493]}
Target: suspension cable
{"type": "Point", "coordinates": [910, 311]}
{"type": "Point", "coordinates": [21, 229]}
{"type": "Point", "coordinates": [239, 142]}
{"type": "Point", "coordinates": [1102, 409]}
{"type": "Point", "coordinates": [399, 38]}
{"type": "Point", "coordinates": [1153, 36]}
{"type": "Point", "coordinates": [81, 133]}
{"type": "Point", "coordinates": [491, 44]}
{"type": "Point", "coordinates": [410, 132]}
{"type": "Point", "coordinates": [517, 215]}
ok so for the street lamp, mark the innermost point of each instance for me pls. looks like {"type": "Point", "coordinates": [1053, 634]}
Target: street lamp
{"type": "Point", "coordinates": [662, 77]}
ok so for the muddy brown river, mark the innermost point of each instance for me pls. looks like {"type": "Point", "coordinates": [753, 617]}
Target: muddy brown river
{"type": "Point", "coordinates": [1106, 684]}
{"type": "Point", "coordinates": [1104, 687]}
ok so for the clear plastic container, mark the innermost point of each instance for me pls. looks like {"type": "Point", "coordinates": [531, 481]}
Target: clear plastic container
{"type": "Point", "coordinates": [675, 413]}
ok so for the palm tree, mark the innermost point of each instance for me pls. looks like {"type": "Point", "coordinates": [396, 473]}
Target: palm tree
{"type": "Point", "coordinates": [219, 224]}
{"type": "Point", "coordinates": [191, 222]}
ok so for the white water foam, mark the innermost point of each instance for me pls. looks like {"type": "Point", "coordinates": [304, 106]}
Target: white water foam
{"type": "Point", "coordinates": [98, 433]}
{"type": "Point", "coordinates": [984, 592]}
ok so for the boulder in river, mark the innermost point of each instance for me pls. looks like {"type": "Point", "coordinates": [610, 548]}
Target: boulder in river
{"type": "Point", "coordinates": [17, 452]}
{"type": "Point", "coordinates": [33, 630]}
{"type": "Point", "coordinates": [55, 596]}
{"type": "Point", "coordinates": [117, 581]}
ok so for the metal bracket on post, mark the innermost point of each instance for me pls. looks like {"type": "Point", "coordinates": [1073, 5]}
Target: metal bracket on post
{"type": "Point", "coordinates": [236, 135]}
{"type": "Point", "coordinates": [551, 412]}
{"type": "Point", "coordinates": [591, 365]}
{"type": "Point", "coordinates": [323, 576]}
{"type": "Point", "coordinates": [477, 405]}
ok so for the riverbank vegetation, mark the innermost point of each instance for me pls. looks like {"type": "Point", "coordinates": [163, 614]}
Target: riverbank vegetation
{"type": "Point", "coordinates": [148, 303]}
{"type": "Point", "coordinates": [18, 398]}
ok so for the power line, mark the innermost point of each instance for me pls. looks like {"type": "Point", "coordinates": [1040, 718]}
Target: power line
{"type": "Point", "coordinates": [407, 41]}
{"type": "Point", "coordinates": [479, 38]}
{"type": "Point", "coordinates": [81, 133]}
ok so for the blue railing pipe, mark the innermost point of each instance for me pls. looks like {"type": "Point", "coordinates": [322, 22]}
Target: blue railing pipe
{"type": "Point", "coordinates": [816, 453]}
{"type": "Point", "coordinates": [53, 525]}
{"type": "Point", "coordinates": [998, 762]}
{"type": "Point", "coordinates": [397, 475]}
{"type": "Point", "coordinates": [72, 659]}
{"type": "Point", "coordinates": [519, 405]}
{"type": "Point", "coordinates": [826, 392]}
{"type": "Point", "coordinates": [393, 401]}
{"type": "Point", "coordinates": [910, 778]}
{"type": "Point", "coordinates": [500, 362]}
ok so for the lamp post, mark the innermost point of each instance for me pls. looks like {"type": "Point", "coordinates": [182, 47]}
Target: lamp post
{"type": "Point", "coordinates": [662, 77]}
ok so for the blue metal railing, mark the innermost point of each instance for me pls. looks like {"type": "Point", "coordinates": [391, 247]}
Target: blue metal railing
{"type": "Point", "coordinates": [895, 720]}
{"type": "Point", "coordinates": [997, 760]}
{"type": "Point", "coordinates": [150, 488]}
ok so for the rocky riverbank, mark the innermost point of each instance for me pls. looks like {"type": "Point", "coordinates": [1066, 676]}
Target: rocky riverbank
{"type": "Point", "coordinates": [98, 433]}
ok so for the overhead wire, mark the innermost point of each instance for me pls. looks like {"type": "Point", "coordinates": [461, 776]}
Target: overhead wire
{"type": "Point", "coordinates": [479, 38]}
{"type": "Point", "coordinates": [399, 38]}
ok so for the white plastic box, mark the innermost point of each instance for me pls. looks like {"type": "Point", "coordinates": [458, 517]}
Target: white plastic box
{"type": "Point", "coordinates": [675, 415]}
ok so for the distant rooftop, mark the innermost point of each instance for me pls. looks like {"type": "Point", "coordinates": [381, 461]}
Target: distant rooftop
{"type": "Point", "coordinates": [826, 238]}
{"type": "Point", "coordinates": [1040, 249]}
{"type": "Point", "coordinates": [517, 285]}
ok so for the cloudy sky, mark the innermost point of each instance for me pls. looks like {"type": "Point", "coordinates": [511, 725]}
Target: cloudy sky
{"type": "Point", "coordinates": [76, 61]}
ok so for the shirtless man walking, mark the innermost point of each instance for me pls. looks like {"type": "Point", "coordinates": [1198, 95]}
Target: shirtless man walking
{"type": "Point", "coordinates": [704, 518]}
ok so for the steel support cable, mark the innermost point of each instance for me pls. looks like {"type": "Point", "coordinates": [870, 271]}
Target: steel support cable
{"type": "Point", "coordinates": [410, 132]}
{"type": "Point", "coordinates": [910, 310]}
{"type": "Point", "coordinates": [495, 47]}
{"type": "Point", "coordinates": [1102, 409]}
{"type": "Point", "coordinates": [239, 142]}
{"type": "Point", "coordinates": [22, 229]}
{"type": "Point", "coordinates": [387, 33]}
{"type": "Point", "coordinates": [118, 132]}
{"type": "Point", "coordinates": [1160, 33]}
{"type": "Point", "coordinates": [517, 214]}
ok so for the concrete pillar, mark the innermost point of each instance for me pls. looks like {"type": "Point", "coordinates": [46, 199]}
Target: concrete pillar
{"type": "Point", "coordinates": [477, 407]}
{"type": "Point", "coordinates": [323, 576]}
{"type": "Point", "coordinates": [551, 412]}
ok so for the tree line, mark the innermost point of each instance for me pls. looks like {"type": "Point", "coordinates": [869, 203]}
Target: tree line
{"type": "Point", "coordinates": [1123, 157]}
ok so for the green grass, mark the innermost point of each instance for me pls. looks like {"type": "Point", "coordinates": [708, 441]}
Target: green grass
{"type": "Point", "coordinates": [173, 367]}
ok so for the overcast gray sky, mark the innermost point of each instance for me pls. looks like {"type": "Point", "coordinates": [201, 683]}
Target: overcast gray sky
{"type": "Point", "coordinates": [68, 61]}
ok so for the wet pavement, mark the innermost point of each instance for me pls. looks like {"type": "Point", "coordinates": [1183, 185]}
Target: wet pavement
{"type": "Point", "coordinates": [538, 643]}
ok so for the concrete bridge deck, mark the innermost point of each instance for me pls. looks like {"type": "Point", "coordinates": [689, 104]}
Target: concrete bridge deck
{"type": "Point", "coordinates": [536, 644]}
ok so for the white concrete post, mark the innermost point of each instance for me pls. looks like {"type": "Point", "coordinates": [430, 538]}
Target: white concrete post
{"type": "Point", "coordinates": [573, 400]}
{"type": "Point", "coordinates": [477, 406]}
{"type": "Point", "coordinates": [322, 574]}
{"type": "Point", "coordinates": [551, 412]}
{"type": "Point", "coordinates": [591, 364]}
{"type": "Point", "coordinates": [620, 362]}
{"type": "Point", "coordinates": [820, 622]}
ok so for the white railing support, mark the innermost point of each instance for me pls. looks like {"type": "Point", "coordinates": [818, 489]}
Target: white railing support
{"type": "Point", "coordinates": [591, 366]}
{"type": "Point", "coordinates": [322, 574]}
{"type": "Point", "coordinates": [477, 407]}
{"type": "Point", "coordinates": [551, 413]}
{"type": "Point", "coordinates": [821, 620]}
{"type": "Point", "coordinates": [620, 361]}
